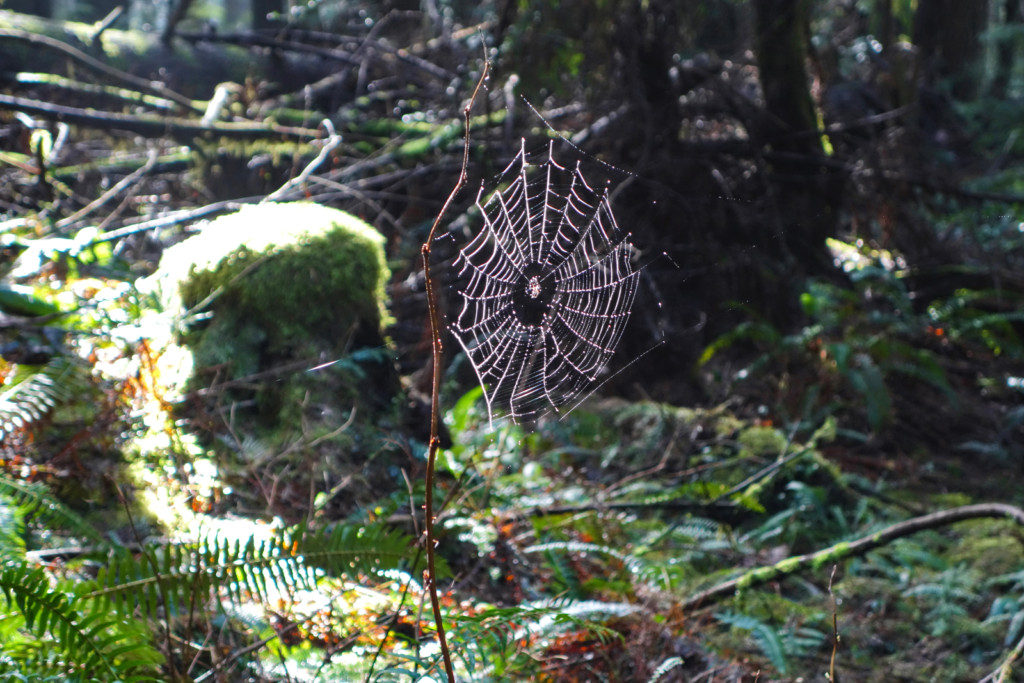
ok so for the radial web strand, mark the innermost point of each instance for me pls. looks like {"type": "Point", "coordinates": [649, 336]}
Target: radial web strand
{"type": "Point", "coordinates": [547, 286]}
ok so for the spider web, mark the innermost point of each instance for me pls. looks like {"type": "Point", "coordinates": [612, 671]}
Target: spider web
{"type": "Point", "coordinates": [548, 289]}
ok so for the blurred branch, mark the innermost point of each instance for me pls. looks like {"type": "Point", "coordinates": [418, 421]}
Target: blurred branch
{"type": "Point", "coordinates": [103, 24]}
{"type": "Point", "coordinates": [329, 146]}
{"type": "Point", "coordinates": [77, 87]}
{"type": "Point", "coordinates": [97, 65]}
{"type": "Point", "coordinates": [179, 129]}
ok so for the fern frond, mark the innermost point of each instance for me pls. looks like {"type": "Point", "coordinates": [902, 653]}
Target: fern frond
{"type": "Point", "coordinates": [508, 625]}
{"type": "Point", "coordinates": [666, 666]}
{"type": "Point", "coordinates": [31, 397]}
{"type": "Point", "coordinates": [241, 568]}
{"type": "Point", "coordinates": [36, 503]}
{"type": "Point", "coordinates": [91, 643]}
{"type": "Point", "coordinates": [12, 529]}
{"type": "Point", "coordinates": [766, 636]}
{"type": "Point", "coordinates": [632, 563]}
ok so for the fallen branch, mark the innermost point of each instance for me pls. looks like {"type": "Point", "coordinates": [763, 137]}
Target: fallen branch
{"type": "Point", "coordinates": [296, 44]}
{"type": "Point", "coordinates": [97, 65]}
{"type": "Point", "coordinates": [113, 92]}
{"type": "Point", "coordinates": [171, 162]}
{"type": "Point", "coordinates": [173, 218]}
{"type": "Point", "coordinates": [152, 126]}
{"type": "Point", "coordinates": [726, 513]}
{"type": "Point", "coordinates": [841, 551]}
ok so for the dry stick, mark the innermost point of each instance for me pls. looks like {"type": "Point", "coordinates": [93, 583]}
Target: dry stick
{"type": "Point", "coordinates": [1003, 672]}
{"type": "Point", "coordinates": [435, 407]}
{"type": "Point", "coordinates": [112, 192]}
{"type": "Point", "coordinates": [103, 24]}
{"type": "Point", "coordinates": [839, 551]}
{"type": "Point", "coordinates": [835, 627]}
{"type": "Point", "coordinates": [329, 145]}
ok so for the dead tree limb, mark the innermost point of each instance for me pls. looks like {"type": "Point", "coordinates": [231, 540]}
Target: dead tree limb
{"type": "Point", "coordinates": [110, 92]}
{"type": "Point", "coordinates": [153, 126]}
{"type": "Point", "coordinates": [98, 66]}
{"type": "Point", "coordinates": [841, 551]}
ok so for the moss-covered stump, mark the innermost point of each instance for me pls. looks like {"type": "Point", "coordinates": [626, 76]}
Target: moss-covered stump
{"type": "Point", "coordinates": [282, 307]}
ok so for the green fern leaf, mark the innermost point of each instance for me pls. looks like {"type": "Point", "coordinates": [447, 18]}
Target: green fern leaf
{"type": "Point", "coordinates": [767, 637]}
{"type": "Point", "coordinates": [37, 503]}
{"type": "Point", "coordinates": [34, 393]}
{"type": "Point", "coordinates": [92, 643]}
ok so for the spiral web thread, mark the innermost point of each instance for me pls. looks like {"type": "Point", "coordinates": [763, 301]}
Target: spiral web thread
{"type": "Point", "coordinates": [548, 285]}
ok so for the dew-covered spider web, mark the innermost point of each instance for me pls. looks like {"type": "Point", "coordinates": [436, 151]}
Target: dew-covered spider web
{"type": "Point", "coordinates": [548, 285]}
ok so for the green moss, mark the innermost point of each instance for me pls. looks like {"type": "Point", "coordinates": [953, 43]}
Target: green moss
{"type": "Point", "coordinates": [276, 284]}
{"type": "Point", "coordinates": [727, 424]}
{"type": "Point", "coordinates": [833, 554]}
{"type": "Point", "coordinates": [261, 295]}
{"type": "Point", "coordinates": [755, 577]}
{"type": "Point", "coordinates": [277, 150]}
{"type": "Point", "coordinates": [278, 275]}
{"type": "Point", "coordinates": [788, 565]}
{"type": "Point", "coordinates": [760, 440]}
{"type": "Point", "coordinates": [991, 546]}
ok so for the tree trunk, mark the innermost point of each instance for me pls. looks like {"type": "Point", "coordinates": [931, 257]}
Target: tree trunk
{"type": "Point", "coordinates": [805, 191]}
{"type": "Point", "coordinates": [1006, 51]}
{"type": "Point", "coordinates": [947, 33]}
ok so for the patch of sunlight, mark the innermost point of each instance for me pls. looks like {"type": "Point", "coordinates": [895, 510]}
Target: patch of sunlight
{"type": "Point", "coordinates": [857, 256]}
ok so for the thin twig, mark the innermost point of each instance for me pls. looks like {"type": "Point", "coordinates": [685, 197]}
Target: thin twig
{"type": "Point", "coordinates": [112, 192]}
{"type": "Point", "coordinates": [329, 146]}
{"type": "Point", "coordinates": [435, 407]}
{"type": "Point", "coordinates": [103, 24]}
{"type": "Point", "coordinates": [237, 654]}
{"type": "Point", "coordinates": [1002, 674]}
{"type": "Point", "coordinates": [158, 576]}
{"type": "Point", "coordinates": [835, 627]}
{"type": "Point", "coordinates": [173, 218]}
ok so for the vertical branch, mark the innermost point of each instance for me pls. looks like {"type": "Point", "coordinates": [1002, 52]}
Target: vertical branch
{"type": "Point", "coordinates": [435, 403]}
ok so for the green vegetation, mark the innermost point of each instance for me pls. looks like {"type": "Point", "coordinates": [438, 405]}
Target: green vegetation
{"type": "Point", "coordinates": [803, 462]}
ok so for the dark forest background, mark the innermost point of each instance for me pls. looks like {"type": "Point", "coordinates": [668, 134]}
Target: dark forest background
{"type": "Point", "coordinates": [805, 460]}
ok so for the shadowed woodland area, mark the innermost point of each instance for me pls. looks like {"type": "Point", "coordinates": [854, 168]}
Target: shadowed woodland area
{"type": "Point", "coordinates": [794, 230]}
